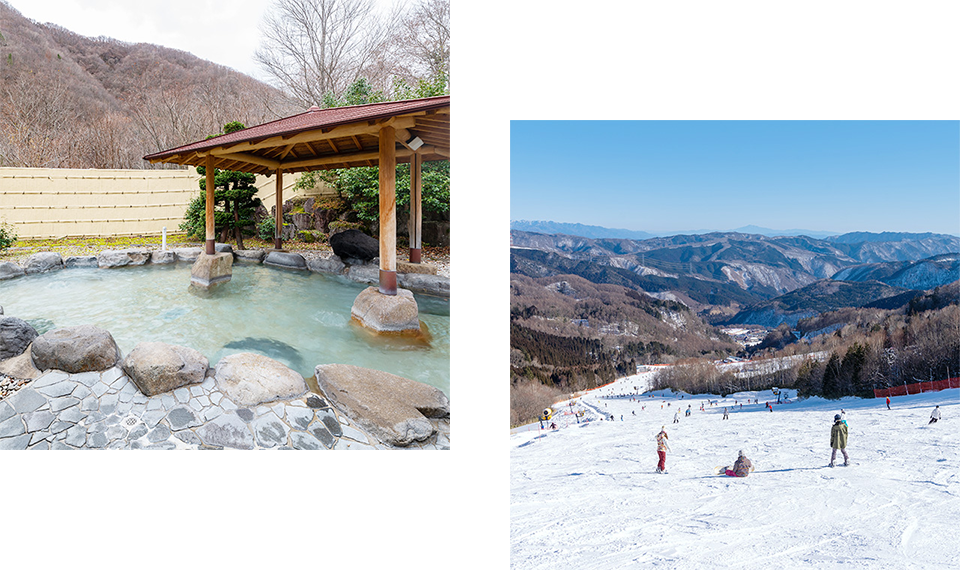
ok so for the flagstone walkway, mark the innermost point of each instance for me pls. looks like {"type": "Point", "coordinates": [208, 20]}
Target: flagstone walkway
{"type": "Point", "coordinates": [105, 410]}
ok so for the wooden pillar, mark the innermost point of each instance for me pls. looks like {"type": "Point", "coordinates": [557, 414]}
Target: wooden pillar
{"type": "Point", "coordinates": [416, 215]}
{"type": "Point", "coordinates": [388, 211]}
{"type": "Point", "coordinates": [277, 240]}
{"type": "Point", "coordinates": [211, 234]}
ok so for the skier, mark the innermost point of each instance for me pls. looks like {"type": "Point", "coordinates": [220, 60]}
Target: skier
{"type": "Point", "coordinates": [662, 449]}
{"type": "Point", "coordinates": [888, 402]}
{"type": "Point", "coordinates": [838, 440]}
{"type": "Point", "coordinates": [687, 413]}
{"type": "Point", "coordinates": [843, 416]}
{"type": "Point", "coordinates": [935, 415]}
{"type": "Point", "coordinates": [741, 468]}
{"type": "Point", "coordinates": [676, 417]}
{"type": "Point", "coordinates": [725, 416]}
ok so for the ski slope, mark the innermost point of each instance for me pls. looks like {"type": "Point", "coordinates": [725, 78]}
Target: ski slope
{"type": "Point", "coordinates": [587, 495]}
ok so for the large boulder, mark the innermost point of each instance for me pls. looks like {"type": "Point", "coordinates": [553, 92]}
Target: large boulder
{"type": "Point", "coordinates": [188, 253]}
{"type": "Point", "coordinates": [248, 255]}
{"type": "Point", "coordinates": [157, 367]}
{"type": "Point", "coordinates": [386, 313]}
{"type": "Point", "coordinates": [9, 270]}
{"type": "Point", "coordinates": [111, 258]}
{"type": "Point", "coordinates": [20, 366]}
{"type": "Point", "coordinates": [83, 348]}
{"type": "Point", "coordinates": [324, 264]}
{"type": "Point", "coordinates": [43, 262]}
{"type": "Point", "coordinates": [15, 336]}
{"type": "Point", "coordinates": [355, 244]}
{"type": "Point", "coordinates": [250, 379]}
{"type": "Point", "coordinates": [163, 257]}
{"type": "Point", "coordinates": [210, 270]}
{"type": "Point", "coordinates": [285, 260]}
{"type": "Point", "coordinates": [393, 409]}
{"type": "Point", "coordinates": [77, 261]}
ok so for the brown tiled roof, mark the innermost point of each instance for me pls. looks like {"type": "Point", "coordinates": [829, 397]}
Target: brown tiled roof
{"type": "Point", "coordinates": [323, 138]}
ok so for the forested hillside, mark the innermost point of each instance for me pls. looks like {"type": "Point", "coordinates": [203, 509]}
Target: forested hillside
{"type": "Point", "coordinates": [67, 101]}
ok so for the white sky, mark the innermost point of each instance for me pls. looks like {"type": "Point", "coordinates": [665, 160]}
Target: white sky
{"type": "Point", "coordinates": [221, 32]}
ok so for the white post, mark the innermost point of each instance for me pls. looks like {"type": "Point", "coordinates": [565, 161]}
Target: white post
{"type": "Point", "coordinates": [164, 238]}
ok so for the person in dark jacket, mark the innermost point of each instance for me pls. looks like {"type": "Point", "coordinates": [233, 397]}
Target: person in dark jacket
{"type": "Point", "coordinates": [741, 468]}
{"type": "Point", "coordinates": [838, 440]}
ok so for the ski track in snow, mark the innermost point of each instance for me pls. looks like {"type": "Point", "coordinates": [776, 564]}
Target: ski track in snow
{"type": "Point", "coordinates": [587, 495]}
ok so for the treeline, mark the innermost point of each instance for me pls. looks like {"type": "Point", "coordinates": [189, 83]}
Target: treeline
{"type": "Point", "coordinates": [903, 349]}
{"type": "Point", "coordinates": [897, 348]}
{"type": "Point", "coordinates": [703, 377]}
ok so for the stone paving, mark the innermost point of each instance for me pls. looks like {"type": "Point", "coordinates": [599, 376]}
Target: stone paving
{"type": "Point", "coordinates": [105, 410]}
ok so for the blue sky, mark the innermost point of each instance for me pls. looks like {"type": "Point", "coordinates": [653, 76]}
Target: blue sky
{"type": "Point", "coordinates": [662, 176]}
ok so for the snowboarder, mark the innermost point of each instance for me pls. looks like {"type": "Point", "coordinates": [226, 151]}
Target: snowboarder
{"type": "Point", "coordinates": [888, 402]}
{"type": "Point", "coordinates": [935, 415]}
{"type": "Point", "coordinates": [741, 468]}
{"type": "Point", "coordinates": [725, 416]}
{"type": "Point", "coordinates": [662, 449]}
{"type": "Point", "coordinates": [676, 417]}
{"type": "Point", "coordinates": [838, 440]}
{"type": "Point", "coordinates": [687, 413]}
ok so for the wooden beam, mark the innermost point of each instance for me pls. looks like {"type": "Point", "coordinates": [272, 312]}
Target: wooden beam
{"type": "Point", "coordinates": [402, 153]}
{"type": "Point", "coordinates": [405, 122]}
{"type": "Point", "coordinates": [248, 158]}
{"type": "Point", "coordinates": [278, 222]}
{"type": "Point", "coordinates": [388, 210]}
{"type": "Point", "coordinates": [211, 238]}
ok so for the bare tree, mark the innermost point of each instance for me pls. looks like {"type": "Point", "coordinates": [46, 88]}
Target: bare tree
{"type": "Point", "coordinates": [423, 40]}
{"type": "Point", "coordinates": [318, 47]}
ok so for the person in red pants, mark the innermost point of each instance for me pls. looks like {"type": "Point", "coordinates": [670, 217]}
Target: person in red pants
{"type": "Point", "coordinates": [662, 449]}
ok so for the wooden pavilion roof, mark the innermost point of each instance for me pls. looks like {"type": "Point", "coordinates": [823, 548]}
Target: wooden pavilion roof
{"type": "Point", "coordinates": [321, 139]}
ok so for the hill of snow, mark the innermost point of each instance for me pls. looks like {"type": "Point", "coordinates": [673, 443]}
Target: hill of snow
{"type": "Point", "coordinates": [587, 495]}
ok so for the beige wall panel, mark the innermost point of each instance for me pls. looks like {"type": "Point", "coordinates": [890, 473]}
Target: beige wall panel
{"type": "Point", "coordinates": [52, 203]}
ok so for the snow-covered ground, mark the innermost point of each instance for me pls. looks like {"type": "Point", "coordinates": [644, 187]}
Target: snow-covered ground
{"type": "Point", "coordinates": [587, 495]}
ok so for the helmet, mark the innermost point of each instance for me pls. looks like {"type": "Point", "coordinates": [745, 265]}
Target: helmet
{"type": "Point", "coordinates": [836, 418]}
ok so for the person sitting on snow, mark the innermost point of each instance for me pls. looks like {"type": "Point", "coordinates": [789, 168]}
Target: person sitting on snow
{"type": "Point", "coordinates": [741, 468]}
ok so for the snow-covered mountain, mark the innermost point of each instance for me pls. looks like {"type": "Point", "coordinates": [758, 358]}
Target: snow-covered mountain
{"type": "Point", "coordinates": [587, 495]}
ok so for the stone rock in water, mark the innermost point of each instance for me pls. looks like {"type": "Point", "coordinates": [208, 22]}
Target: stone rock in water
{"type": "Point", "coordinates": [15, 336]}
{"type": "Point", "coordinates": [188, 253]}
{"type": "Point", "coordinates": [111, 258]}
{"type": "Point", "coordinates": [209, 270]}
{"type": "Point", "coordinates": [250, 379]}
{"type": "Point", "coordinates": [286, 260]}
{"type": "Point", "coordinates": [9, 270]}
{"type": "Point", "coordinates": [83, 348]}
{"type": "Point", "coordinates": [386, 313]}
{"type": "Point", "coordinates": [42, 262]}
{"type": "Point", "coordinates": [162, 257]}
{"type": "Point", "coordinates": [356, 244]}
{"type": "Point", "coordinates": [157, 367]}
{"type": "Point", "coordinates": [76, 261]}
{"type": "Point", "coordinates": [390, 407]}
{"type": "Point", "coordinates": [249, 255]}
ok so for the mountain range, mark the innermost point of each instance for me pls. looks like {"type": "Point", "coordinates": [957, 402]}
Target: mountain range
{"type": "Point", "coordinates": [546, 227]}
{"type": "Point", "coordinates": [738, 277]}
{"type": "Point", "coordinates": [71, 101]}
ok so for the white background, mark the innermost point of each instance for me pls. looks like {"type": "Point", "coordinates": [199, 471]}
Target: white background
{"type": "Point", "coordinates": [512, 60]}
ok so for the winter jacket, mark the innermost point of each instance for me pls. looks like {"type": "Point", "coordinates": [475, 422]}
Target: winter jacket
{"type": "Point", "coordinates": [742, 466]}
{"type": "Point", "coordinates": [838, 435]}
{"type": "Point", "coordinates": [936, 414]}
{"type": "Point", "coordinates": [662, 441]}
